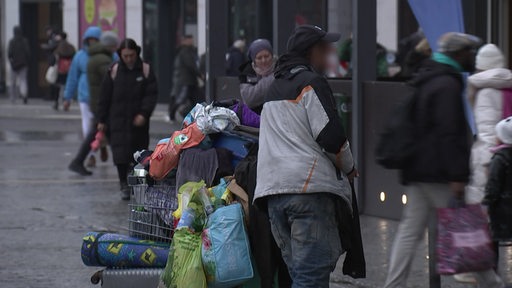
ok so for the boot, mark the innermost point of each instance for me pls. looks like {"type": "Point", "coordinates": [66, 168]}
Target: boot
{"type": "Point", "coordinates": [126, 191]}
{"type": "Point", "coordinates": [104, 154]}
{"type": "Point", "coordinates": [79, 169]}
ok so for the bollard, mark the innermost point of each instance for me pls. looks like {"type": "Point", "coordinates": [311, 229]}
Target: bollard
{"type": "Point", "coordinates": [434, 278]}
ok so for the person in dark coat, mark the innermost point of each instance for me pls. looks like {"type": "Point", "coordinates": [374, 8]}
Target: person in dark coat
{"type": "Point", "coordinates": [235, 57]}
{"type": "Point", "coordinates": [64, 56]}
{"type": "Point", "coordinates": [18, 53]}
{"type": "Point", "coordinates": [128, 99]}
{"type": "Point", "coordinates": [185, 90]}
{"type": "Point", "coordinates": [439, 169]}
{"type": "Point", "coordinates": [498, 192]}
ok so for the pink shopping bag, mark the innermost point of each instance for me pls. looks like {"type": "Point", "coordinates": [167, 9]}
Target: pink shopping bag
{"type": "Point", "coordinates": [463, 240]}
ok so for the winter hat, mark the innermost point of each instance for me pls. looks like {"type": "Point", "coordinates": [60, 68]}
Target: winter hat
{"type": "Point", "coordinates": [257, 46]}
{"type": "Point", "coordinates": [504, 131]}
{"type": "Point", "coordinates": [489, 57]}
{"type": "Point", "coordinates": [109, 39]}
{"type": "Point", "coordinates": [454, 41]}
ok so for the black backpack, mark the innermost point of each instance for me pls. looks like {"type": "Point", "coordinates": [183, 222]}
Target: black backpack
{"type": "Point", "coordinates": [397, 143]}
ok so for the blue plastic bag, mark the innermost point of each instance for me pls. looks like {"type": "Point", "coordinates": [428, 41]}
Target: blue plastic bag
{"type": "Point", "coordinates": [225, 248]}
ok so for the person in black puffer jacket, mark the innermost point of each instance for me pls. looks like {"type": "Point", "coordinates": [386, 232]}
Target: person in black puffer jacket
{"type": "Point", "coordinates": [499, 186]}
{"type": "Point", "coordinates": [128, 98]}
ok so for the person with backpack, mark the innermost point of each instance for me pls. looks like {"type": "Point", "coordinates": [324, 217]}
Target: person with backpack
{"type": "Point", "coordinates": [18, 53]}
{"type": "Point", "coordinates": [305, 166]}
{"type": "Point", "coordinates": [64, 53]}
{"type": "Point", "coordinates": [128, 99]}
{"type": "Point", "coordinates": [77, 84]}
{"type": "Point", "coordinates": [438, 168]}
{"type": "Point", "coordinates": [101, 56]}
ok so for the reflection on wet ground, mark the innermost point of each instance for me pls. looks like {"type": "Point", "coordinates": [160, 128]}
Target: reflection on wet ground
{"type": "Point", "coordinates": [59, 136]}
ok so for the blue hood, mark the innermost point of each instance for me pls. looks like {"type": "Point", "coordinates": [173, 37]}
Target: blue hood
{"type": "Point", "coordinates": [92, 32]}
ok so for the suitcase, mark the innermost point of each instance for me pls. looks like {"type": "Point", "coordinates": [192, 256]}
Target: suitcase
{"type": "Point", "coordinates": [128, 278]}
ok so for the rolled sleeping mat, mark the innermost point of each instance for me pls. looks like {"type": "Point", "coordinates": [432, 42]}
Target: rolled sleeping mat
{"type": "Point", "coordinates": [115, 250]}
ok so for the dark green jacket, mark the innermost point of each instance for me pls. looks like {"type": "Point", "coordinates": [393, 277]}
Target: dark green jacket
{"type": "Point", "coordinates": [100, 59]}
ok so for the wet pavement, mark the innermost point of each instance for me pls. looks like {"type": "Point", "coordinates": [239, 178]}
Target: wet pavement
{"type": "Point", "coordinates": [45, 210]}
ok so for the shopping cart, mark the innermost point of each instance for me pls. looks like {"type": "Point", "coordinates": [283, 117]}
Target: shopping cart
{"type": "Point", "coordinates": [151, 208]}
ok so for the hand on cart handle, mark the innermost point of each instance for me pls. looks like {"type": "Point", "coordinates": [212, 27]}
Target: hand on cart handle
{"type": "Point", "coordinates": [101, 127]}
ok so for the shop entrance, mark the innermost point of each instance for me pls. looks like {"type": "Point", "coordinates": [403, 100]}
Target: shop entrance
{"type": "Point", "coordinates": [35, 17]}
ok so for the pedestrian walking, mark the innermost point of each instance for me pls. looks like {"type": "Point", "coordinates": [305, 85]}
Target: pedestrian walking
{"type": "Point", "coordinates": [185, 92]}
{"type": "Point", "coordinates": [77, 84]}
{"type": "Point", "coordinates": [63, 55]}
{"type": "Point", "coordinates": [18, 53]}
{"type": "Point", "coordinates": [257, 74]}
{"type": "Point", "coordinates": [439, 169]}
{"type": "Point", "coordinates": [101, 56]}
{"type": "Point", "coordinates": [498, 192]}
{"type": "Point", "coordinates": [305, 164]}
{"type": "Point", "coordinates": [491, 96]}
{"type": "Point", "coordinates": [235, 58]}
{"type": "Point", "coordinates": [128, 98]}
{"type": "Point", "coordinates": [49, 47]}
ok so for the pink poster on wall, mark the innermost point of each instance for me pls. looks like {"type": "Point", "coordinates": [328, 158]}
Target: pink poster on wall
{"type": "Point", "coordinates": [109, 15]}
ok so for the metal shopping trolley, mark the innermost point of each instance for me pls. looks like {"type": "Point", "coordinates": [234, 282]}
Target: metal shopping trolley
{"type": "Point", "coordinates": [151, 207]}
{"type": "Point", "coordinates": [150, 218]}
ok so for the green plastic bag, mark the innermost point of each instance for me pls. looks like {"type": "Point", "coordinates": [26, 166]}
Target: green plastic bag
{"type": "Point", "coordinates": [184, 265]}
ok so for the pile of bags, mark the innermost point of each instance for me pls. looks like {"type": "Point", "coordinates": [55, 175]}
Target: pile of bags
{"type": "Point", "coordinates": [210, 247]}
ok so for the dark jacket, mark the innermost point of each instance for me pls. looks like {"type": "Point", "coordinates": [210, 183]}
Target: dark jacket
{"type": "Point", "coordinates": [100, 59]}
{"type": "Point", "coordinates": [499, 195]}
{"type": "Point", "coordinates": [130, 93]}
{"type": "Point", "coordinates": [234, 59]}
{"type": "Point", "coordinates": [186, 70]}
{"type": "Point", "coordinates": [443, 147]}
{"type": "Point", "coordinates": [18, 51]}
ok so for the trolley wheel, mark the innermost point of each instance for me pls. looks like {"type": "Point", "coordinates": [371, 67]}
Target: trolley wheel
{"type": "Point", "coordinates": [97, 277]}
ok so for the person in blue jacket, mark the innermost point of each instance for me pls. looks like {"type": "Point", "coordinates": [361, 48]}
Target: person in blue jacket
{"type": "Point", "coordinates": [77, 84]}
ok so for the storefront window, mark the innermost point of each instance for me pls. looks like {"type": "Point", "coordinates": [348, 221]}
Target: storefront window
{"type": "Point", "coordinates": [150, 42]}
{"type": "Point", "coordinates": [311, 12]}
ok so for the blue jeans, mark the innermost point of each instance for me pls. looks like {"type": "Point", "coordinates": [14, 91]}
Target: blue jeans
{"type": "Point", "coordinates": [306, 230]}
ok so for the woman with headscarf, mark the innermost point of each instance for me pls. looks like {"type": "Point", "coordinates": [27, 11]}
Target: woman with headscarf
{"type": "Point", "coordinates": [128, 98]}
{"type": "Point", "coordinates": [257, 74]}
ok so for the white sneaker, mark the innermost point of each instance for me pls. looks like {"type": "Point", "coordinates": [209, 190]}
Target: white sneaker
{"type": "Point", "coordinates": [465, 278]}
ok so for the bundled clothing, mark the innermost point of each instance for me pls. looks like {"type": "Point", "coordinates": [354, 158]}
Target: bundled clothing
{"type": "Point", "coordinates": [490, 92]}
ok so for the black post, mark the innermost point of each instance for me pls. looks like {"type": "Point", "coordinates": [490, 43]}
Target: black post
{"type": "Point", "coordinates": [166, 45]}
{"type": "Point", "coordinates": [216, 43]}
{"type": "Point", "coordinates": [284, 23]}
{"type": "Point", "coordinates": [364, 66]}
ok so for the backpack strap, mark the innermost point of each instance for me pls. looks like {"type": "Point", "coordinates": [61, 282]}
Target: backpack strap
{"type": "Point", "coordinates": [145, 69]}
{"type": "Point", "coordinates": [113, 71]}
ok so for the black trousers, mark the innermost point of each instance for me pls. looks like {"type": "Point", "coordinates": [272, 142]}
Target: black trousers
{"type": "Point", "coordinates": [85, 147]}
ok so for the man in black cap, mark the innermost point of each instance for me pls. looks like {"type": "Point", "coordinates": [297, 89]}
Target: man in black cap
{"type": "Point", "coordinates": [305, 164]}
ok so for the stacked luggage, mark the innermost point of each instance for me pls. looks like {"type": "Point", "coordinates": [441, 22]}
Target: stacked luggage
{"type": "Point", "coordinates": [186, 228]}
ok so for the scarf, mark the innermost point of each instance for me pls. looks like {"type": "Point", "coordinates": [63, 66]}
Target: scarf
{"type": "Point", "coordinates": [445, 59]}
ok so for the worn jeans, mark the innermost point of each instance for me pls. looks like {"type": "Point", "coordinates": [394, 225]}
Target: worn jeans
{"type": "Point", "coordinates": [422, 201]}
{"type": "Point", "coordinates": [306, 230]}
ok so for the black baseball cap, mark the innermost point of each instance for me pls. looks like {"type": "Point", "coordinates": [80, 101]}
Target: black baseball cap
{"type": "Point", "coordinates": [306, 36]}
